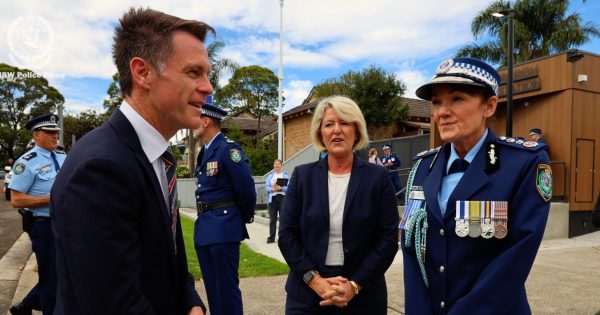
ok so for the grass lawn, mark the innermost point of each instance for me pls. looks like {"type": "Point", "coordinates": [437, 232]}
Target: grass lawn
{"type": "Point", "coordinates": [252, 264]}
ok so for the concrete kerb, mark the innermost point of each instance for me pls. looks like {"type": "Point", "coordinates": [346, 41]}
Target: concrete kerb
{"type": "Point", "coordinates": [266, 295]}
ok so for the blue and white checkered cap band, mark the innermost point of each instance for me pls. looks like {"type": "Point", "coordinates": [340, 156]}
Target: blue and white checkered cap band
{"type": "Point", "coordinates": [48, 125]}
{"type": "Point", "coordinates": [467, 71]}
{"type": "Point", "coordinates": [211, 113]}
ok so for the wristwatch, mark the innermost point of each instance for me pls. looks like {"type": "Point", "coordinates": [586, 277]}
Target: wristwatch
{"type": "Point", "coordinates": [309, 275]}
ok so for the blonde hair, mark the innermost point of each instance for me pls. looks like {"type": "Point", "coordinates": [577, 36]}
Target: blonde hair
{"type": "Point", "coordinates": [347, 110]}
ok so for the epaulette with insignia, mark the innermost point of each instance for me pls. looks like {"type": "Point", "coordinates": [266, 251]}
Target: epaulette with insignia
{"type": "Point", "coordinates": [426, 153]}
{"type": "Point", "coordinates": [29, 156]}
{"type": "Point", "coordinates": [520, 143]}
{"type": "Point", "coordinates": [229, 140]}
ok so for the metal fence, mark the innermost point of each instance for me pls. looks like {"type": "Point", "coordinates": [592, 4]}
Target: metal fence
{"type": "Point", "coordinates": [186, 189]}
{"type": "Point", "coordinates": [404, 147]}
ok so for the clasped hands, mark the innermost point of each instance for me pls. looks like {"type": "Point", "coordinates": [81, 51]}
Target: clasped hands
{"type": "Point", "coordinates": [334, 291]}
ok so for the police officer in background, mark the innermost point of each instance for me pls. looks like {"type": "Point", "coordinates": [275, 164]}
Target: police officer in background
{"type": "Point", "coordinates": [535, 134]}
{"type": "Point", "coordinates": [392, 162]}
{"type": "Point", "coordinates": [34, 174]}
{"type": "Point", "coordinates": [225, 198]}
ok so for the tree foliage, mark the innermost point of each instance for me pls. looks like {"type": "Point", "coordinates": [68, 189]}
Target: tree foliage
{"type": "Point", "coordinates": [252, 89]}
{"type": "Point", "coordinates": [541, 27]}
{"type": "Point", "coordinates": [260, 155]}
{"type": "Point", "coordinates": [23, 95]}
{"type": "Point", "coordinates": [219, 65]}
{"type": "Point", "coordinates": [378, 94]}
{"type": "Point", "coordinates": [115, 98]}
{"type": "Point", "coordinates": [76, 126]}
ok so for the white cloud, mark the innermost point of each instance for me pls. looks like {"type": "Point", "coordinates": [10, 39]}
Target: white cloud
{"type": "Point", "coordinates": [295, 93]}
{"type": "Point", "coordinates": [75, 107]}
{"type": "Point", "coordinates": [412, 77]}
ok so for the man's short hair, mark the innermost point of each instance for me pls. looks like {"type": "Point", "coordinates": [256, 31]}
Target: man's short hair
{"type": "Point", "coordinates": [147, 34]}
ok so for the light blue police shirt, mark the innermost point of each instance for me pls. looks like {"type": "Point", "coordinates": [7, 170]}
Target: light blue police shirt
{"type": "Point", "coordinates": [450, 181]}
{"type": "Point", "coordinates": [35, 176]}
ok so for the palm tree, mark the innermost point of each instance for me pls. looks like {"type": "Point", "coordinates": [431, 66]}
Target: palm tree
{"type": "Point", "coordinates": [541, 27]}
{"type": "Point", "coordinates": [219, 65]}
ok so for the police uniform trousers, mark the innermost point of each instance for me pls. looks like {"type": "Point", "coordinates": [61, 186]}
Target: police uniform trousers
{"type": "Point", "coordinates": [395, 178]}
{"type": "Point", "coordinates": [219, 264]}
{"type": "Point", "coordinates": [372, 301]}
{"type": "Point", "coordinates": [43, 295]}
{"type": "Point", "coordinates": [274, 208]}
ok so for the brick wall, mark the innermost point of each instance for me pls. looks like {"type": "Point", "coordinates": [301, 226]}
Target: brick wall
{"type": "Point", "coordinates": [296, 133]}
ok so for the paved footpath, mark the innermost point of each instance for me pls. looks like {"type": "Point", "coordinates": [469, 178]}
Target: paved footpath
{"type": "Point", "coordinates": [565, 278]}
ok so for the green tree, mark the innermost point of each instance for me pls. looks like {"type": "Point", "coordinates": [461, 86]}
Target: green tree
{"type": "Point", "coordinates": [23, 95]}
{"type": "Point", "coordinates": [260, 155]}
{"type": "Point", "coordinates": [79, 125]}
{"type": "Point", "coordinates": [378, 94]}
{"type": "Point", "coordinates": [115, 98]}
{"type": "Point", "coordinates": [219, 65]}
{"type": "Point", "coordinates": [252, 89]}
{"type": "Point", "coordinates": [541, 27]}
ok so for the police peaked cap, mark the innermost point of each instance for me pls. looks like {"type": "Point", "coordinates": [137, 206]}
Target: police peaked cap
{"type": "Point", "coordinates": [463, 71]}
{"type": "Point", "coordinates": [535, 131]}
{"type": "Point", "coordinates": [46, 122]}
{"type": "Point", "coordinates": [213, 111]}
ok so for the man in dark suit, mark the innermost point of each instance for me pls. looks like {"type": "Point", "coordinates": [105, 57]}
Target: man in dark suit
{"type": "Point", "coordinates": [225, 200]}
{"type": "Point", "coordinates": [115, 220]}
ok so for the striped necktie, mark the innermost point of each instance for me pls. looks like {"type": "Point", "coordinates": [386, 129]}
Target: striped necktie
{"type": "Point", "coordinates": [170, 166]}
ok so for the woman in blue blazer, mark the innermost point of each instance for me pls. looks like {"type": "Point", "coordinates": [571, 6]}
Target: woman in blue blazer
{"type": "Point", "coordinates": [339, 223]}
{"type": "Point", "coordinates": [275, 196]}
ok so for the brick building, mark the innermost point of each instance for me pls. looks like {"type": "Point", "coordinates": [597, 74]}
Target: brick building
{"type": "Point", "coordinates": [296, 124]}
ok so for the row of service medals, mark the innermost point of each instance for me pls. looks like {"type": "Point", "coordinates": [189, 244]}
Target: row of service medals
{"type": "Point", "coordinates": [481, 218]}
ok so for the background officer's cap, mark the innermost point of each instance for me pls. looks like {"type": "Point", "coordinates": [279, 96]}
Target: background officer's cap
{"type": "Point", "coordinates": [45, 122]}
{"type": "Point", "coordinates": [464, 71]}
{"type": "Point", "coordinates": [386, 147]}
{"type": "Point", "coordinates": [210, 110]}
{"type": "Point", "coordinates": [535, 131]}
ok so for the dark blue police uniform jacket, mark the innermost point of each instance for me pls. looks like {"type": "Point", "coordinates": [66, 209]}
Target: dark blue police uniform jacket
{"type": "Point", "coordinates": [393, 157]}
{"type": "Point", "coordinates": [370, 229]}
{"type": "Point", "coordinates": [394, 176]}
{"type": "Point", "coordinates": [476, 275]}
{"type": "Point", "coordinates": [232, 181]}
{"type": "Point", "coordinates": [114, 245]}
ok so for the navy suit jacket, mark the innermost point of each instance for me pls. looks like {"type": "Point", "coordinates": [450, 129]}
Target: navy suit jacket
{"type": "Point", "coordinates": [114, 245]}
{"type": "Point", "coordinates": [370, 228]}
{"type": "Point", "coordinates": [476, 275]}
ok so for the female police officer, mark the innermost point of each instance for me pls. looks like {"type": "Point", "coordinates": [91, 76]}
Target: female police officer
{"type": "Point", "coordinates": [477, 206]}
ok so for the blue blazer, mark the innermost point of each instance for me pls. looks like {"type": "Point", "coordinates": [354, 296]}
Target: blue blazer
{"type": "Point", "coordinates": [479, 276]}
{"type": "Point", "coordinates": [370, 229]}
{"type": "Point", "coordinates": [232, 181]}
{"type": "Point", "coordinates": [114, 245]}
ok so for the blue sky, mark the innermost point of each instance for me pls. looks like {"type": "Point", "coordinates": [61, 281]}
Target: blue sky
{"type": "Point", "coordinates": [321, 39]}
